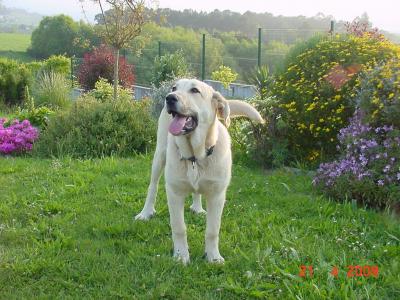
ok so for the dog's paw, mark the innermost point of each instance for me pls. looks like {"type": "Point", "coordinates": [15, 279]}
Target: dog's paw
{"type": "Point", "coordinates": [182, 257]}
{"type": "Point", "coordinates": [197, 210]}
{"type": "Point", "coordinates": [145, 215]}
{"type": "Point", "coordinates": [214, 258]}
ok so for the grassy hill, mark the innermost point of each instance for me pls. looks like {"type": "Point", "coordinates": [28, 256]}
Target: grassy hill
{"type": "Point", "coordinates": [67, 231]}
{"type": "Point", "coordinates": [14, 45]}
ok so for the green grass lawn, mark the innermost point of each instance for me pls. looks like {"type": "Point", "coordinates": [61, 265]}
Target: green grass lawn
{"type": "Point", "coordinates": [14, 45]}
{"type": "Point", "coordinates": [67, 231]}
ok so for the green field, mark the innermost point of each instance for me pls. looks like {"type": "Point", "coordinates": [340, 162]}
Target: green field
{"type": "Point", "coordinates": [14, 45]}
{"type": "Point", "coordinates": [67, 231]}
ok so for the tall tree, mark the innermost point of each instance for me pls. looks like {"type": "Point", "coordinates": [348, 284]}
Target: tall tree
{"type": "Point", "coordinates": [55, 35]}
{"type": "Point", "coordinates": [120, 25]}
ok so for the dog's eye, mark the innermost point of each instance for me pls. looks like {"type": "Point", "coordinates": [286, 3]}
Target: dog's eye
{"type": "Point", "coordinates": [194, 90]}
{"type": "Point", "coordinates": [174, 88]}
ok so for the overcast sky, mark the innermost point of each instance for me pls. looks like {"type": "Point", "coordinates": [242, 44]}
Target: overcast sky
{"type": "Point", "coordinates": [384, 14]}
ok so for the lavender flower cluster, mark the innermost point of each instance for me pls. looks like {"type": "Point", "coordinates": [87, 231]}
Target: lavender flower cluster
{"type": "Point", "coordinates": [17, 137]}
{"type": "Point", "coordinates": [368, 153]}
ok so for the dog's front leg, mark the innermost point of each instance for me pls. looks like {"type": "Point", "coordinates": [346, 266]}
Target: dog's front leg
{"type": "Point", "coordinates": [196, 206]}
{"type": "Point", "coordinates": [158, 165]}
{"type": "Point", "coordinates": [215, 206]}
{"type": "Point", "coordinates": [178, 227]}
{"type": "Point", "coordinates": [156, 169]}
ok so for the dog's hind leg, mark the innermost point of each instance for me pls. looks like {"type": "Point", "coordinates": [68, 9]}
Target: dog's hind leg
{"type": "Point", "coordinates": [196, 206]}
{"type": "Point", "coordinates": [156, 168]}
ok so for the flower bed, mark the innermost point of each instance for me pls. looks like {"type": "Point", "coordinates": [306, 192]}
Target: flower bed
{"type": "Point", "coordinates": [369, 168]}
{"type": "Point", "coordinates": [18, 137]}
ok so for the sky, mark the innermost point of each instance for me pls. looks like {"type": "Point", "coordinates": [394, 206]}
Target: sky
{"type": "Point", "coordinates": [384, 14]}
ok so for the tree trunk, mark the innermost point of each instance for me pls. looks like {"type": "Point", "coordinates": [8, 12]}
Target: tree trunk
{"type": "Point", "coordinates": [116, 79]}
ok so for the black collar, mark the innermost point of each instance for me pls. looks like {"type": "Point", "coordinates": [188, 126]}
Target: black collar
{"type": "Point", "coordinates": [193, 159]}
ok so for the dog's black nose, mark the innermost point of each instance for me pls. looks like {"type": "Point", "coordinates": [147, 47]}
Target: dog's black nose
{"type": "Point", "coordinates": [171, 99]}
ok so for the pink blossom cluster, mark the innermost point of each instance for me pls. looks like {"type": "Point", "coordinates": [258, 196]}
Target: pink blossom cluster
{"type": "Point", "coordinates": [17, 137]}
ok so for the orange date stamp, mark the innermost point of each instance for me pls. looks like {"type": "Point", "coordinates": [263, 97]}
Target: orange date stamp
{"type": "Point", "coordinates": [352, 271]}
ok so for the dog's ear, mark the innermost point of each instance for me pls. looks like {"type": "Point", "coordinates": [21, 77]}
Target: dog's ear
{"type": "Point", "coordinates": [223, 110]}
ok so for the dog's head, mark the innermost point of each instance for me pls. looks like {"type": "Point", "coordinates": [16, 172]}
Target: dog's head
{"type": "Point", "coordinates": [192, 102]}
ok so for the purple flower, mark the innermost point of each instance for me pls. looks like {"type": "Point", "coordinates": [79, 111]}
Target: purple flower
{"type": "Point", "coordinates": [18, 137]}
{"type": "Point", "coordinates": [386, 169]}
{"type": "Point", "coordinates": [367, 154]}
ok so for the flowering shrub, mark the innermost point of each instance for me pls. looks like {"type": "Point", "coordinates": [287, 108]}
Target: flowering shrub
{"type": "Point", "coordinates": [18, 137]}
{"type": "Point", "coordinates": [100, 64]}
{"type": "Point", "coordinates": [369, 167]}
{"type": "Point", "coordinates": [360, 28]}
{"type": "Point", "coordinates": [317, 90]}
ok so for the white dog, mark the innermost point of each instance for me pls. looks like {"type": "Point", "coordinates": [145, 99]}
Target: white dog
{"type": "Point", "coordinates": [196, 154]}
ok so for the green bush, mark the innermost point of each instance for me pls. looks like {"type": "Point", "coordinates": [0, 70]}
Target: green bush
{"type": "Point", "coordinates": [13, 79]}
{"type": "Point", "coordinates": [267, 144]}
{"type": "Point", "coordinates": [94, 129]}
{"type": "Point", "coordinates": [168, 67]}
{"type": "Point", "coordinates": [52, 90]}
{"type": "Point", "coordinates": [55, 63]}
{"type": "Point", "coordinates": [104, 91]}
{"type": "Point", "coordinates": [38, 117]}
{"type": "Point", "coordinates": [316, 92]}
{"type": "Point", "coordinates": [262, 80]}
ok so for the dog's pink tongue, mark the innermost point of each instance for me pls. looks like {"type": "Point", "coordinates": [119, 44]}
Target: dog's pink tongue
{"type": "Point", "coordinates": [177, 125]}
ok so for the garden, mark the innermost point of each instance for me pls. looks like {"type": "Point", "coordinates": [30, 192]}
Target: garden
{"type": "Point", "coordinates": [317, 215]}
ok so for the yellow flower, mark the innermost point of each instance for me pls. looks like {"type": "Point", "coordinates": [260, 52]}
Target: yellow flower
{"type": "Point", "coordinates": [375, 100]}
{"type": "Point", "coordinates": [311, 106]}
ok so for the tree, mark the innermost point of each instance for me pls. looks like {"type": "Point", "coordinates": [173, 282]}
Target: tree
{"type": "Point", "coordinates": [100, 64]}
{"type": "Point", "coordinates": [54, 36]}
{"type": "Point", "coordinates": [168, 67]}
{"type": "Point", "coordinates": [61, 35]}
{"type": "Point", "coordinates": [120, 25]}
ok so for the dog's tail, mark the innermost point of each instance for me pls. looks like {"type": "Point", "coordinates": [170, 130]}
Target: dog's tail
{"type": "Point", "coordinates": [242, 109]}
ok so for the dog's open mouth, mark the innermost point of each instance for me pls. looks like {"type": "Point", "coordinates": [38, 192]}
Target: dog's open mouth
{"type": "Point", "coordinates": [182, 124]}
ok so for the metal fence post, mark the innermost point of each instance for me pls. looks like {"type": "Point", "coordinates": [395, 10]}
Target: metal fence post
{"type": "Point", "coordinates": [203, 59]}
{"type": "Point", "coordinates": [159, 48]}
{"type": "Point", "coordinates": [259, 48]}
